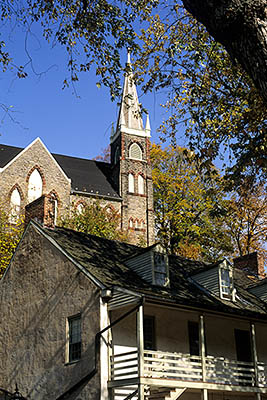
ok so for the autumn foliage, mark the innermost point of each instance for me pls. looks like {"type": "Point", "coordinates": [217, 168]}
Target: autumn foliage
{"type": "Point", "coordinates": [247, 220]}
{"type": "Point", "coordinates": [96, 220]}
{"type": "Point", "coordinates": [10, 235]}
{"type": "Point", "coordinates": [188, 205]}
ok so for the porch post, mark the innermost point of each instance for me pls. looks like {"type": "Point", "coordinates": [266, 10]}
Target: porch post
{"type": "Point", "coordinates": [254, 351]}
{"type": "Point", "coordinates": [204, 394]}
{"type": "Point", "coordinates": [140, 348]}
{"type": "Point", "coordinates": [202, 348]}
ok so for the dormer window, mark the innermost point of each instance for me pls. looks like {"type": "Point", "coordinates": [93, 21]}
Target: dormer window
{"type": "Point", "coordinates": [226, 287]}
{"type": "Point", "coordinates": [160, 269]}
{"type": "Point", "coordinates": [152, 266]}
{"type": "Point", "coordinates": [218, 279]}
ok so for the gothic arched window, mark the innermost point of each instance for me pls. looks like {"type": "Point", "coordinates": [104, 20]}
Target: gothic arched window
{"type": "Point", "coordinates": [131, 183]}
{"type": "Point", "coordinates": [135, 152]}
{"type": "Point", "coordinates": [35, 186]}
{"type": "Point", "coordinates": [141, 185]}
{"type": "Point", "coordinates": [80, 208]}
{"type": "Point", "coordinates": [15, 201]}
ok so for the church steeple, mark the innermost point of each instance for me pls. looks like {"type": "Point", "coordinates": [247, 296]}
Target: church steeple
{"type": "Point", "coordinates": [130, 118]}
{"type": "Point", "coordinates": [130, 160]}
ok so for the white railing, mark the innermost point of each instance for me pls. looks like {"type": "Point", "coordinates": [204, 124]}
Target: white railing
{"type": "Point", "coordinates": [184, 367]}
{"type": "Point", "coordinates": [222, 370]}
{"type": "Point", "coordinates": [124, 365]}
{"type": "Point", "coordinates": [159, 364]}
{"type": "Point", "coordinates": [262, 374]}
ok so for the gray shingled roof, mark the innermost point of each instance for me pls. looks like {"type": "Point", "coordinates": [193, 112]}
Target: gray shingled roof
{"type": "Point", "coordinates": [103, 258]}
{"type": "Point", "coordinates": [87, 176]}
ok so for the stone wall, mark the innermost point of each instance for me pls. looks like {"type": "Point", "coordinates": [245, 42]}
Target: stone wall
{"type": "Point", "coordinates": [134, 207]}
{"type": "Point", "coordinates": [16, 174]}
{"type": "Point", "coordinates": [137, 207]}
{"type": "Point", "coordinates": [40, 290]}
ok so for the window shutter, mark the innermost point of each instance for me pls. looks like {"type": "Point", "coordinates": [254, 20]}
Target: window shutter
{"type": "Point", "coordinates": [135, 152]}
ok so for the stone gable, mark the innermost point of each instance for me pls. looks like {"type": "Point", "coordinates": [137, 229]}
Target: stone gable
{"type": "Point", "coordinates": [45, 288]}
{"type": "Point", "coordinates": [17, 172]}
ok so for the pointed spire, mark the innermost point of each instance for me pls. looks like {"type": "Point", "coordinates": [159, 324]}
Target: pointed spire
{"type": "Point", "coordinates": [148, 129]}
{"type": "Point", "coordinates": [130, 114]}
{"type": "Point", "coordinates": [130, 119]}
{"type": "Point", "coordinates": [129, 57]}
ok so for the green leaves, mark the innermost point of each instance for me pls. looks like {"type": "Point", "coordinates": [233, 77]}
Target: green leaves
{"type": "Point", "coordinates": [10, 235]}
{"type": "Point", "coordinates": [94, 219]}
{"type": "Point", "coordinates": [213, 100]}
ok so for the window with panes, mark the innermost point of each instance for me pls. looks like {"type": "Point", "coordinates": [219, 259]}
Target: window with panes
{"type": "Point", "coordinates": [226, 284]}
{"type": "Point", "coordinates": [75, 340]}
{"type": "Point", "coordinates": [160, 269]}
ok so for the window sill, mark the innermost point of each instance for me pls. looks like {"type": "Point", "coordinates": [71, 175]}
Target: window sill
{"type": "Point", "coordinates": [71, 362]}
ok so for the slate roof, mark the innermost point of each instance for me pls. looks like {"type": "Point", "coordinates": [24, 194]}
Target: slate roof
{"type": "Point", "coordinates": [87, 176]}
{"type": "Point", "coordinates": [105, 260]}
{"type": "Point", "coordinates": [7, 153]}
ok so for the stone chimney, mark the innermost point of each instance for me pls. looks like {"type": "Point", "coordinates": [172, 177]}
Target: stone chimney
{"type": "Point", "coordinates": [251, 263]}
{"type": "Point", "coordinates": [42, 210]}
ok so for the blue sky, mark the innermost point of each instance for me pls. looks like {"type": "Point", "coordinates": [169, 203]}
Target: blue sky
{"type": "Point", "coordinates": [67, 124]}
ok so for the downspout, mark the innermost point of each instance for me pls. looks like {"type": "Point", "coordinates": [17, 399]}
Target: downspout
{"type": "Point", "coordinates": [97, 346]}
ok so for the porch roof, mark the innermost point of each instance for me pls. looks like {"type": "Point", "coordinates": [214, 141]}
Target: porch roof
{"type": "Point", "coordinates": [104, 260]}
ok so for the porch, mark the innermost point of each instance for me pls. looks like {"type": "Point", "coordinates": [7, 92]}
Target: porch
{"type": "Point", "coordinates": [143, 371]}
{"type": "Point", "coordinates": [181, 367]}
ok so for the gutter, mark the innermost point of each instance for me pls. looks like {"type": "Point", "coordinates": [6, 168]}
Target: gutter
{"type": "Point", "coordinates": [92, 373]}
{"type": "Point", "coordinates": [97, 195]}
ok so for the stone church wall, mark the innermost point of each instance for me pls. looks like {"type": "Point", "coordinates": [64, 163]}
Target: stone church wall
{"type": "Point", "coordinates": [40, 290]}
{"type": "Point", "coordinates": [18, 171]}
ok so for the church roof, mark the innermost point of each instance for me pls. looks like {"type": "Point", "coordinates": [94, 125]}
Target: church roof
{"type": "Point", "coordinates": [105, 261]}
{"type": "Point", "coordinates": [87, 176]}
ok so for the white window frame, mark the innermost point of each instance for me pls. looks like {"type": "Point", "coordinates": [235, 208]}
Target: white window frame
{"type": "Point", "coordinates": [141, 184]}
{"type": "Point", "coordinates": [131, 183]}
{"type": "Point", "coordinates": [133, 150]}
{"type": "Point", "coordinates": [35, 186]}
{"type": "Point", "coordinates": [15, 204]}
{"type": "Point", "coordinates": [80, 208]}
{"type": "Point", "coordinates": [226, 285]}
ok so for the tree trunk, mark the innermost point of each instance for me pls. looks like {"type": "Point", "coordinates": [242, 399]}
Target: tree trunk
{"type": "Point", "coordinates": [241, 26]}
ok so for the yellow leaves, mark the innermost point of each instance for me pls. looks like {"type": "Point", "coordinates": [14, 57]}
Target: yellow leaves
{"type": "Point", "coordinates": [183, 201]}
{"type": "Point", "coordinates": [10, 235]}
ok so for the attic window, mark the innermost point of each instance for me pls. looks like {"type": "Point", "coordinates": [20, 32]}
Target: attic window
{"type": "Point", "coordinates": [225, 284]}
{"type": "Point", "coordinates": [160, 269]}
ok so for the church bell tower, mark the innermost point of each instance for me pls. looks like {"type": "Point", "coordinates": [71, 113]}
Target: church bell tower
{"type": "Point", "coordinates": [130, 158]}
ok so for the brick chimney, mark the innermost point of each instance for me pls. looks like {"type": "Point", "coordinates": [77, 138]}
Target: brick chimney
{"type": "Point", "coordinates": [42, 210]}
{"type": "Point", "coordinates": [251, 263]}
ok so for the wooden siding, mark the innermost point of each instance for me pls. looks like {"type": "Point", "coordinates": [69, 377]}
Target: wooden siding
{"type": "Point", "coordinates": [121, 299]}
{"type": "Point", "coordinates": [209, 280]}
{"type": "Point", "coordinates": [260, 291]}
{"type": "Point", "coordinates": [143, 266]}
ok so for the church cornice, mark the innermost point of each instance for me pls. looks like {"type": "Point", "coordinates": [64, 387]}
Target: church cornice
{"type": "Point", "coordinates": [95, 195]}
